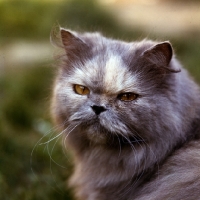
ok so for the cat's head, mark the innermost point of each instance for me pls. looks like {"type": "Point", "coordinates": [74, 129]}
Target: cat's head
{"type": "Point", "coordinates": [112, 89]}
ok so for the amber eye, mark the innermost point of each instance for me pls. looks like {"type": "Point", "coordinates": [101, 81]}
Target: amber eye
{"type": "Point", "coordinates": [129, 96]}
{"type": "Point", "coordinates": [80, 89]}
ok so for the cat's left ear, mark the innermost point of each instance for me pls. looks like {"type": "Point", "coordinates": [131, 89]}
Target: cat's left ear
{"type": "Point", "coordinates": [74, 46]}
{"type": "Point", "coordinates": [160, 54]}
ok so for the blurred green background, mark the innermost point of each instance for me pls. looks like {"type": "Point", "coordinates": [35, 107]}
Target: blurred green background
{"type": "Point", "coordinates": [29, 167]}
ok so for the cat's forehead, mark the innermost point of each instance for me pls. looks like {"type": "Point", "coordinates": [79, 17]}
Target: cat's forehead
{"type": "Point", "coordinates": [117, 75]}
{"type": "Point", "coordinates": [108, 74]}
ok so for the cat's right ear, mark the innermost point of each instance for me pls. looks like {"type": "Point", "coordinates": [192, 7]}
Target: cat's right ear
{"type": "Point", "coordinates": [160, 55]}
{"type": "Point", "coordinates": [75, 47]}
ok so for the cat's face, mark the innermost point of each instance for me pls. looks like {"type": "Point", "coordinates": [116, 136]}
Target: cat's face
{"type": "Point", "coordinates": [109, 89]}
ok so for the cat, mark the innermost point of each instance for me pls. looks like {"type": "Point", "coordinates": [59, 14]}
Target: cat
{"type": "Point", "coordinates": [131, 118]}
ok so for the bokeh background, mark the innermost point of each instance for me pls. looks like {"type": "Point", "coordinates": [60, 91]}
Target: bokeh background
{"type": "Point", "coordinates": [30, 168]}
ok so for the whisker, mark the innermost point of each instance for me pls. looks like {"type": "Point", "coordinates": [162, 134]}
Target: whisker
{"type": "Point", "coordinates": [64, 141]}
{"type": "Point", "coordinates": [149, 147]}
{"type": "Point", "coordinates": [120, 148]}
{"type": "Point", "coordinates": [52, 130]}
{"type": "Point", "coordinates": [127, 185]}
{"type": "Point", "coordinates": [53, 138]}
{"type": "Point", "coordinates": [50, 154]}
{"type": "Point", "coordinates": [50, 163]}
{"type": "Point", "coordinates": [31, 156]}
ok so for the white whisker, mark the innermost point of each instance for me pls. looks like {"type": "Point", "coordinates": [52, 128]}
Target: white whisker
{"type": "Point", "coordinates": [120, 148]}
{"type": "Point", "coordinates": [50, 154]}
{"type": "Point", "coordinates": [53, 137]}
{"type": "Point", "coordinates": [126, 188]}
{"type": "Point", "coordinates": [64, 141]}
{"type": "Point", "coordinates": [51, 131]}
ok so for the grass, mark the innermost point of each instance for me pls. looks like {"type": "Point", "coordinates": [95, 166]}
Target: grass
{"type": "Point", "coordinates": [25, 95]}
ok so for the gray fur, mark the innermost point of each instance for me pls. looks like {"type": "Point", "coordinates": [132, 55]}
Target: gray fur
{"type": "Point", "coordinates": [147, 148]}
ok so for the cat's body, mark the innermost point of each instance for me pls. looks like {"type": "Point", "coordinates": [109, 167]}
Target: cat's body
{"type": "Point", "coordinates": [131, 119]}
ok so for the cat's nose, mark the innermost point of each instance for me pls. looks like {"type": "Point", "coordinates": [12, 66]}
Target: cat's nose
{"type": "Point", "coordinates": [98, 109]}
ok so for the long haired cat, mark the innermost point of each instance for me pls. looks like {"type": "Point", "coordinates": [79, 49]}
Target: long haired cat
{"type": "Point", "coordinates": [131, 118]}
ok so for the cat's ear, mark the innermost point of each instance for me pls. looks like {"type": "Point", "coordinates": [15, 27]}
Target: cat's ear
{"type": "Point", "coordinates": [160, 54]}
{"type": "Point", "coordinates": [74, 46]}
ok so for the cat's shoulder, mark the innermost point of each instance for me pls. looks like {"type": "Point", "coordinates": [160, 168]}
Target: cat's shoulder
{"type": "Point", "coordinates": [186, 158]}
{"type": "Point", "coordinates": [178, 177]}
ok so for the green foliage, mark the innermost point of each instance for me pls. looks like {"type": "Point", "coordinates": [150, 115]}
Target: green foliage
{"type": "Point", "coordinates": [22, 91]}
{"type": "Point", "coordinates": [23, 122]}
{"type": "Point", "coordinates": [26, 19]}
{"type": "Point", "coordinates": [187, 51]}
{"type": "Point", "coordinates": [35, 19]}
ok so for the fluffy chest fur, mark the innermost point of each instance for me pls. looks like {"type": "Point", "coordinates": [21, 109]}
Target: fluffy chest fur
{"type": "Point", "coordinates": [131, 118]}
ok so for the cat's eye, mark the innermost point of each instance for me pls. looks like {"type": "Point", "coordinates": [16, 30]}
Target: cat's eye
{"type": "Point", "coordinates": [128, 96]}
{"type": "Point", "coordinates": [80, 89]}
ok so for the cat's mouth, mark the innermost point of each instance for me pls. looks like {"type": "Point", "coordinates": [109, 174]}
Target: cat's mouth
{"type": "Point", "coordinates": [98, 133]}
{"type": "Point", "coordinates": [106, 129]}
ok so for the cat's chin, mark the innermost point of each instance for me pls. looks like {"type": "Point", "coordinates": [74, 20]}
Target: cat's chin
{"type": "Point", "coordinates": [97, 136]}
{"type": "Point", "coordinates": [102, 136]}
